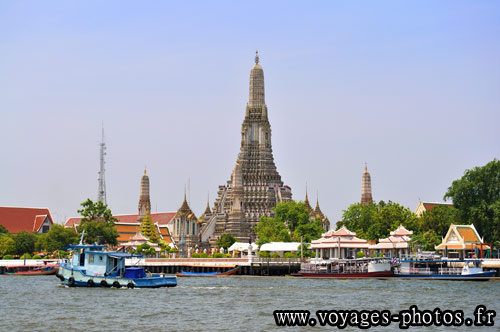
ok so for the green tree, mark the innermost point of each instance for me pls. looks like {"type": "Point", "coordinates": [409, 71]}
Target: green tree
{"type": "Point", "coordinates": [439, 219]}
{"type": "Point", "coordinates": [98, 223]}
{"type": "Point", "coordinates": [376, 220]}
{"type": "Point", "coordinates": [271, 230]}
{"type": "Point", "coordinates": [425, 240]}
{"type": "Point", "coordinates": [3, 230]}
{"type": "Point", "coordinates": [7, 245]}
{"type": "Point", "coordinates": [476, 195]}
{"type": "Point", "coordinates": [226, 240]}
{"type": "Point", "coordinates": [24, 242]}
{"type": "Point", "coordinates": [293, 214]}
{"type": "Point", "coordinates": [59, 237]}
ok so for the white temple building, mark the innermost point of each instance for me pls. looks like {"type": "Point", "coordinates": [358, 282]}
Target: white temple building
{"type": "Point", "coordinates": [396, 245]}
{"type": "Point", "coordinates": [341, 243]}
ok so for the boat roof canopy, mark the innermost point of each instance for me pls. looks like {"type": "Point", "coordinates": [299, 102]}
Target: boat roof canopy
{"type": "Point", "coordinates": [85, 246]}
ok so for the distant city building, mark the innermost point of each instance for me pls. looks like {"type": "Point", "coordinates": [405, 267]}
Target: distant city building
{"type": "Point", "coordinates": [19, 219]}
{"type": "Point", "coordinates": [426, 206]}
{"type": "Point", "coordinates": [366, 187]}
{"type": "Point", "coordinates": [255, 187]}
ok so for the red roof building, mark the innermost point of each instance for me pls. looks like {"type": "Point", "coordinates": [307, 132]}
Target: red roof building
{"type": "Point", "coordinates": [426, 206]}
{"type": "Point", "coordinates": [128, 225]}
{"type": "Point", "coordinates": [18, 219]}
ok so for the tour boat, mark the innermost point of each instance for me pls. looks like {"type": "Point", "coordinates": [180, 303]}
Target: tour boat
{"type": "Point", "coordinates": [346, 268]}
{"type": "Point", "coordinates": [208, 274]}
{"type": "Point", "coordinates": [444, 269]}
{"type": "Point", "coordinates": [32, 270]}
{"type": "Point", "coordinates": [92, 266]}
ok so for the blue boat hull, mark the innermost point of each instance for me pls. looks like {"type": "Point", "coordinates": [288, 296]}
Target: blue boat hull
{"type": "Point", "coordinates": [74, 278]}
{"type": "Point", "coordinates": [483, 276]}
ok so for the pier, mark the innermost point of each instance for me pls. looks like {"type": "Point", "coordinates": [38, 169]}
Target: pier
{"type": "Point", "coordinates": [258, 266]}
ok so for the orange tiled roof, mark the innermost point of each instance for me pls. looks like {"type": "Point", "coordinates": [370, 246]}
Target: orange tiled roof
{"type": "Point", "coordinates": [468, 234]}
{"type": "Point", "coordinates": [18, 219]}
{"type": "Point", "coordinates": [468, 246]}
{"type": "Point", "coordinates": [162, 218]}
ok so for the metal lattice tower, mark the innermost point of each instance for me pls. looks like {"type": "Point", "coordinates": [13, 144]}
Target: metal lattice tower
{"type": "Point", "coordinates": [101, 194]}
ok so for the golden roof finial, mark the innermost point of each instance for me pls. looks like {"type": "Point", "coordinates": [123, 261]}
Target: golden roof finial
{"type": "Point", "coordinates": [257, 57]}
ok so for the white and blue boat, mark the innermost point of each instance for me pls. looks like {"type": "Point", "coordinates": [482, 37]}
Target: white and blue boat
{"type": "Point", "coordinates": [92, 266]}
{"type": "Point", "coordinates": [443, 268]}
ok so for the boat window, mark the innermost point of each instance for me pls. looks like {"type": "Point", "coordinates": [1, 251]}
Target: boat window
{"type": "Point", "coordinates": [100, 258]}
{"type": "Point", "coordinates": [82, 257]}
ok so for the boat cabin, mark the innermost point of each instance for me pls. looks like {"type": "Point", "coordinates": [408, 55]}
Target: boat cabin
{"type": "Point", "coordinates": [92, 260]}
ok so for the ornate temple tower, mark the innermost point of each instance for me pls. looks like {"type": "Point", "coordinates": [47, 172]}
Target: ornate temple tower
{"type": "Point", "coordinates": [144, 200]}
{"type": "Point", "coordinates": [255, 186]}
{"type": "Point", "coordinates": [366, 187]}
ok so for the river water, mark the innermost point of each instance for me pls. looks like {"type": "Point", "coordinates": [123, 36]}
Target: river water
{"type": "Point", "coordinates": [226, 304]}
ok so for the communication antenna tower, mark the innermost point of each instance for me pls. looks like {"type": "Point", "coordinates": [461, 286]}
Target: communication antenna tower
{"type": "Point", "coordinates": [101, 194]}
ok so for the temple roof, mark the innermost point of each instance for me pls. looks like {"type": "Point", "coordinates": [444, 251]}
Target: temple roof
{"type": "Point", "coordinates": [185, 211]}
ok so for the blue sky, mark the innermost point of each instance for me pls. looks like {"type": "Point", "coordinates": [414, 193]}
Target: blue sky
{"type": "Point", "coordinates": [411, 88]}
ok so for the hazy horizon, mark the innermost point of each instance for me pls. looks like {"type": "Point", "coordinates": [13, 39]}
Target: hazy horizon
{"type": "Point", "coordinates": [412, 89]}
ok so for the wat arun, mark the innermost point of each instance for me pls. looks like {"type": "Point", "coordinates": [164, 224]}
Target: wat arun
{"type": "Point", "coordinates": [255, 186]}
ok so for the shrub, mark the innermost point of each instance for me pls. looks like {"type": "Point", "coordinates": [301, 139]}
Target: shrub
{"type": "Point", "coordinates": [373, 255]}
{"type": "Point", "coordinates": [36, 257]}
{"type": "Point", "coordinates": [227, 256]}
{"type": "Point", "coordinates": [195, 255]}
{"type": "Point", "coordinates": [219, 255]}
{"type": "Point", "coordinates": [204, 255]}
{"type": "Point", "coordinates": [289, 255]}
{"type": "Point", "coordinates": [275, 256]}
{"type": "Point", "coordinates": [380, 254]}
{"type": "Point", "coordinates": [360, 254]}
{"type": "Point", "coordinates": [8, 257]}
{"type": "Point", "coordinates": [28, 256]}
{"type": "Point", "coordinates": [264, 254]}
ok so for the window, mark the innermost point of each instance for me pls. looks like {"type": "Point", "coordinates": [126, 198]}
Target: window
{"type": "Point", "coordinates": [177, 229]}
{"type": "Point", "coordinates": [187, 228]}
{"type": "Point", "coordinates": [194, 228]}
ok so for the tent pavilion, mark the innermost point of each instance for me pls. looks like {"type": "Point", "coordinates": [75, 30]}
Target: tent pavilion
{"type": "Point", "coordinates": [280, 247]}
{"type": "Point", "coordinates": [240, 249]}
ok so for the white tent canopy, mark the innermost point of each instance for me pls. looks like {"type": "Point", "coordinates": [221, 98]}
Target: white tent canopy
{"type": "Point", "coordinates": [242, 247]}
{"type": "Point", "coordinates": [280, 246]}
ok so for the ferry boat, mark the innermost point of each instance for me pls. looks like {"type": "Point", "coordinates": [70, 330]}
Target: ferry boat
{"type": "Point", "coordinates": [442, 268]}
{"type": "Point", "coordinates": [32, 270]}
{"type": "Point", "coordinates": [346, 268]}
{"type": "Point", "coordinates": [92, 266]}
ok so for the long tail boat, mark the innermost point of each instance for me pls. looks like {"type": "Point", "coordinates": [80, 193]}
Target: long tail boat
{"type": "Point", "coordinates": [208, 274]}
{"type": "Point", "coordinates": [32, 270]}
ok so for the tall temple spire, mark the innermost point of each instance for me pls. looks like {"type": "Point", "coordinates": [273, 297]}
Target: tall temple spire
{"type": "Point", "coordinates": [144, 198]}
{"type": "Point", "coordinates": [256, 97]}
{"type": "Point", "coordinates": [366, 187]}
{"type": "Point", "coordinates": [258, 189]}
{"type": "Point", "coordinates": [308, 205]}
